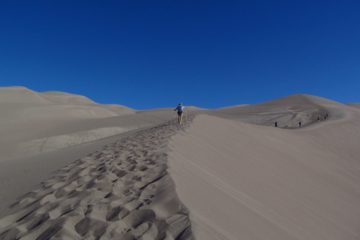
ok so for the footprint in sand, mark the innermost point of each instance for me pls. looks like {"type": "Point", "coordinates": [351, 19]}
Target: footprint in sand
{"type": "Point", "coordinates": [121, 192]}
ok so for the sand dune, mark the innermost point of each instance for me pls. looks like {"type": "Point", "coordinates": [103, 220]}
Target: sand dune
{"type": "Point", "coordinates": [356, 105]}
{"type": "Point", "coordinates": [65, 98]}
{"type": "Point", "coordinates": [103, 170]}
{"type": "Point", "coordinates": [31, 147]}
{"type": "Point", "coordinates": [28, 115]}
{"type": "Point", "coordinates": [287, 111]}
{"type": "Point", "coordinates": [60, 119]}
{"type": "Point", "coordinates": [244, 181]}
{"type": "Point", "coordinates": [120, 192]}
{"type": "Point", "coordinates": [58, 134]}
{"type": "Point", "coordinates": [21, 104]}
{"type": "Point", "coordinates": [66, 140]}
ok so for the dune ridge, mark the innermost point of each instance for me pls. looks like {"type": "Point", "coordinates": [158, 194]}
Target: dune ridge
{"type": "Point", "coordinates": [241, 180]}
{"type": "Point", "coordinates": [286, 111]}
{"type": "Point", "coordinates": [31, 118]}
{"type": "Point", "coordinates": [25, 104]}
{"type": "Point", "coordinates": [237, 174]}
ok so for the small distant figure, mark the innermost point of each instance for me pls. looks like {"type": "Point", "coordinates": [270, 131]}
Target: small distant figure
{"type": "Point", "coordinates": [276, 124]}
{"type": "Point", "coordinates": [179, 109]}
{"type": "Point", "coordinates": [318, 118]}
{"type": "Point", "coordinates": [326, 116]}
{"type": "Point", "coordinates": [299, 124]}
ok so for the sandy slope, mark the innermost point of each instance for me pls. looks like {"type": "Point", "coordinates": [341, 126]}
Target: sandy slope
{"type": "Point", "coordinates": [21, 105]}
{"type": "Point", "coordinates": [34, 140]}
{"type": "Point", "coordinates": [244, 181]}
{"type": "Point", "coordinates": [120, 192]}
{"type": "Point", "coordinates": [27, 115]}
{"type": "Point", "coordinates": [34, 122]}
{"type": "Point", "coordinates": [356, 105]}
{"type": "Point", "coordinates": [287, 111]}
{"type": "Point", "coordinates": [47, 136]}
{"type": "Point", "coordinates": [238, 177]}
{"type": "Point", "coordinates": [22, 172]}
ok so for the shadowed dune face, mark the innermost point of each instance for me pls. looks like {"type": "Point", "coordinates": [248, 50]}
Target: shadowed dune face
{"type": "Point", "coordinates": [287, 111]}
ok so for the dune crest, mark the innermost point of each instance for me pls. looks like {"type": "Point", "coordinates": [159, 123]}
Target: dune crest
{"type": "Point", "coordinates": [287, 112]}
{"type": "Point", "coordinates": [241, 180]}
{"type": "Point", "coordinates": [238, 175]}
{"type": "Point", "coordinates": [22, 104]}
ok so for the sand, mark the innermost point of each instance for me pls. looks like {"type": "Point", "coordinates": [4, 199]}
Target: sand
{"type": "Point", "coordinates": [356, 105]}
{"type": "Point", "coordinates": [27, 115]}
{"type": "Point", "coordinates": [74, 169]}
{"type": "Point", "coordinates": [120, 192]}
{"type": "Point", "coordinates": [32, 146]}
{"type": "Point", "coordinates": [287, 111]}
{"type": "Point", "coordinates": [245, 181]}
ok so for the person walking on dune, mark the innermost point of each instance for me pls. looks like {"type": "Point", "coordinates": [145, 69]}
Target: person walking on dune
{"type": "Point", "coordinates": [179, 109]}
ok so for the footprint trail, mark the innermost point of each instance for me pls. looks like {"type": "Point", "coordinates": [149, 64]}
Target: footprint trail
{"type": "Point", "coordinates": [121, 192]}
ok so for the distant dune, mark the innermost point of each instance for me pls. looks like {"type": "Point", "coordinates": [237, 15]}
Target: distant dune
{"type": "Point", "coordinates": [31, 117]}
{"type": "Point", "coordinates": [26, 104]}
{"type": "Point", "coordinates": [357, 105]}
{"type": "Point", "coordinates": [287, 111]}
{"type": "Point", "coordinates": [41, 132]}
{"type": "Point", "coordinates": [74, 169]}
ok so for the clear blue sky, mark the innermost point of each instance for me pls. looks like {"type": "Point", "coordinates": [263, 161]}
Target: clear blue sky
{"type": "Point", "coordinates": [147, 54]}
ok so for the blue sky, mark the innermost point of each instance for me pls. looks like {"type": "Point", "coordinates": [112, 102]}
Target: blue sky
{"type": "Point", "coordinates": [147, 54]}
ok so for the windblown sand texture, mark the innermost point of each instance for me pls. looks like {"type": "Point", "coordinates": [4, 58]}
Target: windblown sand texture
{"type": "Point", "coordinates": [121, 192]}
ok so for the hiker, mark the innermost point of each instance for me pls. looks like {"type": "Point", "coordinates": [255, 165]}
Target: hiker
{"type": "Point", "coordinates": [179, 109]}
{"type": "Point", "coordinates": [276, 124]}
{"type": "Point", "coordinates": [300, 124]}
